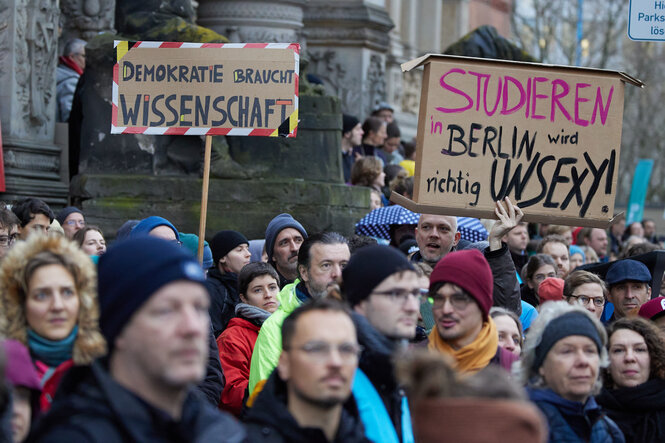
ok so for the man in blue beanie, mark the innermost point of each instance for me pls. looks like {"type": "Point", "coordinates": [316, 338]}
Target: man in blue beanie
{"type": "Point", "coordinates": [284, 235]}
{"type": "Point", "coordinates": [154, 316]}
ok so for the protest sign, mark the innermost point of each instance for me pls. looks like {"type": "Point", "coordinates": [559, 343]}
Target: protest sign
{"type": "Point", "coordinates": [170, 88]}
{"type": "Point", "coordinates": [176, 88]}
{"type": "Point", "coordinates": [548, 137]}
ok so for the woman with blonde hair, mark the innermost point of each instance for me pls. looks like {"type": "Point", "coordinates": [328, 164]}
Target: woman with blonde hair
{"type": "Point", "coordinates": [49, 303]}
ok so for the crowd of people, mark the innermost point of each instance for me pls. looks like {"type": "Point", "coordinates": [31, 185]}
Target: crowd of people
{"type": "Point", "coordinates": [539, 332]}
{"type": "Point", "coordinates": [318, 337]}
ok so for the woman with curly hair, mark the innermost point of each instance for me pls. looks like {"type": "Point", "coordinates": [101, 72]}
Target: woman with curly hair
{"type": "Point", "coordinates": [634, 392]}
{"type": "Point", "coordinates": [563, 354]}
{"type": "Point", "coordinates": [49, 303]}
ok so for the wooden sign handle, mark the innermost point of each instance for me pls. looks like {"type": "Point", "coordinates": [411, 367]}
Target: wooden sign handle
{"type": "Point", "coordinates": [204, 196]}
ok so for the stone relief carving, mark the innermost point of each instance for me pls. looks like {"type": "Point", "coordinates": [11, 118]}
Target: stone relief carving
{"type": "Point", "coordinates": [375, 84]}
{"type": "Point", "coordinates": [333, 73]}
{"type": "Point", "coordinates": [35, 53]}
{"type": "Point", "coordinates": [411, 85]}
{"type": "Point", "coordinates": [4, 32]}
{"type": "Point", "coordinates": [87, 18]}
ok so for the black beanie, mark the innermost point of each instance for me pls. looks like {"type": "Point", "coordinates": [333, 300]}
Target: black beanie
{"type": "Point", "coordinates": [368, 267]}
{"type": "Point", "coordinates": [132, 271]}
{"type": "Point", "coordinates": [224, 242]}
{"type": "Point", "coordinates": [348, 123]}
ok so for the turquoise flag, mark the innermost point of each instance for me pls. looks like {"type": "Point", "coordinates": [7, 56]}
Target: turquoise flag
{"type": "Point", "coordinates": [638, 192]}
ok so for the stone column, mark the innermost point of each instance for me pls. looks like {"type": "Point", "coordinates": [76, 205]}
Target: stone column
{"type": "Point", "coordinates": [28, 58]}
{"type": "Point", "coordinates": [347, 43]}
{"type": "Point", "coordinates": [254, 21]}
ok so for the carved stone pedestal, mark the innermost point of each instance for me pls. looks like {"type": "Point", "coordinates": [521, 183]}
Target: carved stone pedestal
{"type": "Point", "coordinates": [28, 57]}
{"type": "Point", "coordinates": [347, 42]}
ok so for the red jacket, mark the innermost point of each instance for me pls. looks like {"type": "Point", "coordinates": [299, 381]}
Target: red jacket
{"type": "Point", "coordinates": [236, 345]}
{"type": "Point", "coordinates": [49, 378]}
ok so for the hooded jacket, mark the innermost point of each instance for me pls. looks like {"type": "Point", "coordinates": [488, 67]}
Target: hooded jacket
{"type": "Point", "coordinates": [639, 411]}
{"type": "Point", "coordinates": [95, 408]}
{"type": "Point", "coordinates": [236, 345]}
{"type": "Point", "coordinates": [268, 345]}
{"type": "Point", "coordinates": [89, 342]}
{"type": "Point", "coordinates": [270, 421]}
{"type": "Point", "coordinates": [571, 421]}
{"type": "Point", "coordinates": [223, 290]}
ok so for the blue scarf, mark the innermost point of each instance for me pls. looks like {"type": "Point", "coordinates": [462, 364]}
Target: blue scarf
{"type": "Point", "coordinates": [51, 352]}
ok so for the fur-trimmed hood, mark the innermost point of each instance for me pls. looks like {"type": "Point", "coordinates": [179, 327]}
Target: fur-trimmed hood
{"type": "Point", "coordinates": [89, 343]}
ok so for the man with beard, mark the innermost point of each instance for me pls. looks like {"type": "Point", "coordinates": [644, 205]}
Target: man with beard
{"type": "Point", "coordinates": [284, 236]}
{"type": "Point", "coordinates": [628, 283]}
{"type": "Point", "coordinates": [321, 258]}
{"type": "Point", "coordinates": [437, 235]}
{"type": "Point", "coordinates": [461, 290]}
{"type": "Point", "coordinates": [154, 317]}
{"type": "Point", "coordinates": [308, 398]}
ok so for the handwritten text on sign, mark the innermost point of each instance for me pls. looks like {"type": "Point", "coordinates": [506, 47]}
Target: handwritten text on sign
{"type": "Point", "coordinates": [548, 138]}
{"type": "Point", "coordinates": [207, 87]}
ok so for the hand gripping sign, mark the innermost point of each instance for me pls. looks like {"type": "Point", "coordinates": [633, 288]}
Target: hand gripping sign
{"type": "Point", "coordinates": [171, 88]}
{"type": "Point", "coordinates": [549, 137]}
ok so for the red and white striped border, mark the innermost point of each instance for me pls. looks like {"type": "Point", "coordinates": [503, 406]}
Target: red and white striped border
{"type": "Point", "coordinates": [115, 129]}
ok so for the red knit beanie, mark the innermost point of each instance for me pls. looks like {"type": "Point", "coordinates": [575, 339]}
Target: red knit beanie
{"type": "Point", "coordinates": [551, 289]}
{"type": "Point", "coordinates": [469, 270]}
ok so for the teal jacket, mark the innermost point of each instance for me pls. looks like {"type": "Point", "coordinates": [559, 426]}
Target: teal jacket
{"type": "Point", "coordinates": [268, 345]}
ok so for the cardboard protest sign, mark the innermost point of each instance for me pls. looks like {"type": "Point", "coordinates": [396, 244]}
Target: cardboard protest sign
{"type": "Point", "coordinates": [548, 137]}
{"type": "Point", "coordinates": [206, 88]}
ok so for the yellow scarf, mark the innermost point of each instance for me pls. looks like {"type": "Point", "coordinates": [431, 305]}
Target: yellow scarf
{"type": "Point", "coordinates": [474, 356]}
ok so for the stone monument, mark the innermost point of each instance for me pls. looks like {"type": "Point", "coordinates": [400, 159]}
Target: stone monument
{"type": "Point", "coordinates": [28, 56]}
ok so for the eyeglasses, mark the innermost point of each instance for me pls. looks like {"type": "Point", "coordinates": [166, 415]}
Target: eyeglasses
{"type": "Point", "coordinates": [458, 300]}
{"type": "Point", "coordinates": [584, 300]}
{"type": "Point", "coordinates": [8, 240]}
{"type": "Point", "coordinates": [320, 352]}
{"type": "Point", "coordinates": [80, 223]}
{"type": "Point", "coordinates": [401, 295]}
{"type": "Point", "coordinates": [540, 277]}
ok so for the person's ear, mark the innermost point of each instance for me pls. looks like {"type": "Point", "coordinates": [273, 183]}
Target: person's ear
{"type": "Point", "coordinates": [361, 308]}
{"type": "Point", "coordinates": [457, 238]}
{"type": "Point", "coordinates": [283, 367]}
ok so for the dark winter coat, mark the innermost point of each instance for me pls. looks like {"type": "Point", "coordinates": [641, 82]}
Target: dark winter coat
{"type": "Point", "coordinates": [639, 411]}
{"type": "Point", "coordinates": [270, 421]}
{"type": "Point", "coordinates": [573, 422]}
{"type": "Point", "coordinates": [223, 290]}
{"type": "Point", "coordinates": [212, 385]}
{"type": "Point", "coordinates": [92, 407]}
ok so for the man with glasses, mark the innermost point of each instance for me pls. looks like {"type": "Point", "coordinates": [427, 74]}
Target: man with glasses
{"type": "Point", "coordinates": [382, 287]}
{"type": "Point", "coordinates": [461, 293]}
{"type": "Point", "coordinates": [71, 219]}
{"type": "Point", "coordinates": [629, 289]}
{"type": "Point", "coordinates": [308, 396]}
{"type": "Point", "coordinates": [9, 232]}
{"type": "Point", "coordinates": [321, 258]}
